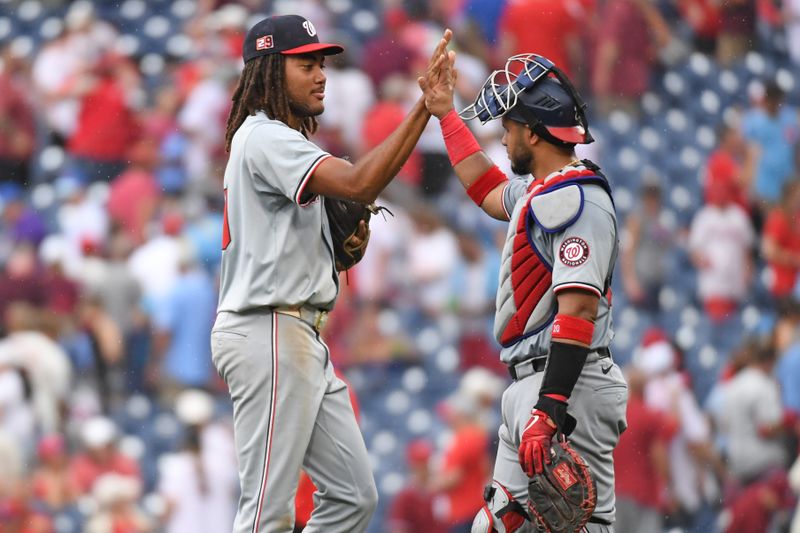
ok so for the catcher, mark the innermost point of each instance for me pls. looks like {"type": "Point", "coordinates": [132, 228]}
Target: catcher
{"type": "Point", "coordinates": [553, 316]}
{"type": "Point", "coordinates": [284, 237]}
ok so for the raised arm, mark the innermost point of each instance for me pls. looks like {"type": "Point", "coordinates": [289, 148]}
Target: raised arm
{"type": "Point", "coordinates": [364, 180]}
{"type": "Point", "coordinates": [481, 178]}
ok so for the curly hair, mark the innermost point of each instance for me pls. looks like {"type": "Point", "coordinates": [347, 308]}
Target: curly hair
{"type": "Point", "coordinates": [262, 87]}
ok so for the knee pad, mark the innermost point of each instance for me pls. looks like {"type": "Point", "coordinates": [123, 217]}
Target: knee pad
{"type": "Point", "coordinates": [501, 514]}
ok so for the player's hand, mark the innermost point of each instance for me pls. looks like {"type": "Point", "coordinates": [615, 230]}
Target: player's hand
{"type": "Point", "coordinates": [434, 63]}
{"type": "Point", "coordinates": [438, 89]}
{"type": "Point", "coordinates": [534, 447]}
{"type": "Point", "coordinates": [439, 80]}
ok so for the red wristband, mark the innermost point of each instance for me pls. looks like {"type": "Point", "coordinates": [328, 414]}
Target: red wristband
{"type": "Point", "coordinates": [479, 190]}
{"type": "Point", "coordinates": [458, 140]}
{"type": "Point", "coordinates": [572, 328]}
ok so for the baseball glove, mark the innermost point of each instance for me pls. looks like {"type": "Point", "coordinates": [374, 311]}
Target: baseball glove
{"type": "Point", "coordinates": [562, 498]}
{"type": "Point", "coordinates": [344, 218]}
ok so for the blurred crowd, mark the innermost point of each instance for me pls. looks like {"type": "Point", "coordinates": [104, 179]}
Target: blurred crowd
{"type": "Point", "coordinates": [112, 418]}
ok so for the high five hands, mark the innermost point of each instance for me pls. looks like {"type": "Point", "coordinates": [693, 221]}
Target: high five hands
{"type": "Point", "coordinates": [439, 80]}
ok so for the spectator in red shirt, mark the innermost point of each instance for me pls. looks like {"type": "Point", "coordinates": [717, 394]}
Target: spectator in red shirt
{"type": "Point", "coordinates": [17, 515]}
{"type": "Point", "coordinates": [737, 30]}
{"type": "Point", "coordinates": [107, 125]}
{"type": "Point", "coordinates": [641, 463]}
{"type": "Point", "coordinates": [100, 456]}
{"type": "Point", "coordinates": [755, 507]}
{"type": "Point", "coordinates": [731, 164]}
{"type": "Point", "coordinates": [62, 292]}
{"type": "Point", "coordinates": [384, 117]}
{"type": "Point", "coordinates": [780, 242]}
{"type": "Point", "coordinates": [17, 128]}
{"type": "Point", "coordinates": [387, 54]}
{"type": "Point", "coordinates": [51, 483]}
{"type": "Point", "coordinates": [465, 465]}
{"type": "Point", "coordinates": [627, 43]}
{"type": "Point", "coordinates": [542, 27]}
{"type": "Point", "coordinates": [134, 196]}
{"type": "Point", "coordinates": [412, 508]}
{"type": "Point", "coordinates": [703, 16]}
{"type": "Point", "coordinates": [21, 282]}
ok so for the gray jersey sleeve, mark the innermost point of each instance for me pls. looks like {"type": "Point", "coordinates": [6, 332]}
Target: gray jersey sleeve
{"type": "Point", "coordinates": [515, 189]}
{"type": "Point", "coordinates": [583, 252]}
{"type": "Point", "coordinates": [284, 160]}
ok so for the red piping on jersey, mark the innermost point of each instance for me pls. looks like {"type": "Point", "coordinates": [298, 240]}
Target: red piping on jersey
{"type": "Point", "coordinates": [272, 411]}
{"type": "Point", "coordinates": [306, 179]}
{"type": "Point", "coordinates": [558, 178]}
{"type": "Point", "coordinates": [226, 228]}
{"type": "Point", "coordinates": [503, 202]}
{"type": "Point", "coordinates": [576, 285]}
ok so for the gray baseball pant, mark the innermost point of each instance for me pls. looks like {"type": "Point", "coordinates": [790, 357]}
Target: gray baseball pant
{"type": "Point", "coordinates": [291, 410]}
{"type": "Point", "coordinates": [598, 402]}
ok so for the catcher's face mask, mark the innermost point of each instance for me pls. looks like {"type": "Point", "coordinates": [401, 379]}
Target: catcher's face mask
{"type": "Point", "coordinates": [530, 89]}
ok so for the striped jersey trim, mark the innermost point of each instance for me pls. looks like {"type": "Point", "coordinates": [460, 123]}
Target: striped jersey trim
{"type": "Point", "coordinates": [503, 202]}
{"type": "Point", "coordinates": [576, 285]}
{"type": "Point", "coordinates": [302, 186]}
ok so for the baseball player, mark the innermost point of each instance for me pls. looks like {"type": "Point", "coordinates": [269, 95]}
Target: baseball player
{"type": "Point", "coordinates": [553, 316]}
{"type": "Point", "coordinates": [278, 282]}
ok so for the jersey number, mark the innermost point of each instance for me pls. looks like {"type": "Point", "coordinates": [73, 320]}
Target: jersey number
{"type": "Point", "coordinates": [226, 230]}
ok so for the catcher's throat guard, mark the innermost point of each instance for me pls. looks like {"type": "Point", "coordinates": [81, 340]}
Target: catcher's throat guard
{"type": "Point", "coordinates": [532, 90]}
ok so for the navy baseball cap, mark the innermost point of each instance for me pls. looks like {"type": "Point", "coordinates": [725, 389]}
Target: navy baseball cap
{"type": "Point", "coordinates": [287, 35]}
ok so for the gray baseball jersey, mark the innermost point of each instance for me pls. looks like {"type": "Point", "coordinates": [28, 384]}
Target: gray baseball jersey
{"type": "Point", "coordinates": [568, 231]}
{"type": "Point", "coordinates": [290, 410]}
{"type": "Point", "coordinates": [276, 249]}
{"type": "Point", "coordinates": [562, 234]}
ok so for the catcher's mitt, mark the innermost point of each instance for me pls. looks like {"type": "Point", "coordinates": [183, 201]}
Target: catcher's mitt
{"type": "Point", "coordinates": [344, 217]}
{"type": "Point", "coordinates": [562, 498]}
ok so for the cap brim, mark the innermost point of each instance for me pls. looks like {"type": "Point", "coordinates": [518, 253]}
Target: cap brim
{"type": "Point", "coordinates": [569, 134]}
{"type": "Point", "coordinates": [326, 48]}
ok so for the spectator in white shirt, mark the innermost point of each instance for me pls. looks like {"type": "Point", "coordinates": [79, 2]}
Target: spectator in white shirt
{"type": "Point", "coordinates": [791, 11]}
{"type": "Point", "coordinates": [200, 482]}
{"type": "Point", "coordinates": [433, 254]}
{"type": "Point", "coordinates": [752, 418]}
{"type": "Point", "coordinates": [344, 115]}
{"type": "Point", "coordinates": [720, 240]}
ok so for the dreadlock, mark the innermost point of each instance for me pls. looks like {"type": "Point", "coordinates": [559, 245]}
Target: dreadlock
{"type": "Point", "coordinates": [262, 87]}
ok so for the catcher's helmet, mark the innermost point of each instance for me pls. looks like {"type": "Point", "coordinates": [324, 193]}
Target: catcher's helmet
{"type": "Point", "coordinates": [539, 95]}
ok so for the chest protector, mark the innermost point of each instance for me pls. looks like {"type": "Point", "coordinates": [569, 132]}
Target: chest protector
{"type": "Point", "coordinates": [526, 303]}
